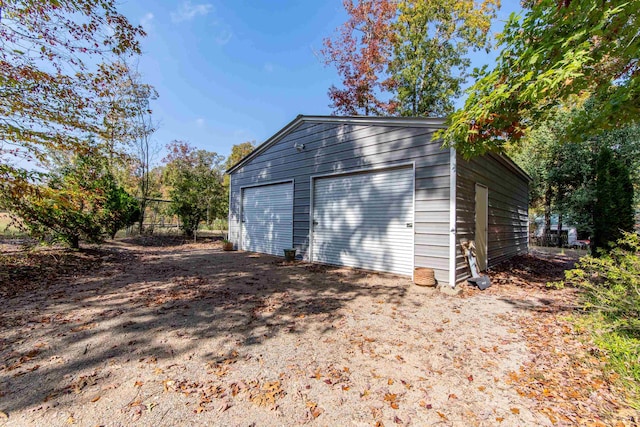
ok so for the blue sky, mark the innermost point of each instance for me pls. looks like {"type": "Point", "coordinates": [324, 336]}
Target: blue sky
{"type": "Point", "coordinates": [229, 72]}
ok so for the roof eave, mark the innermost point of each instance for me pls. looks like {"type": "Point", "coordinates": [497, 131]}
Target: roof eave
{"type": "Point", "coordinates": [509, 163]}
{"type": "Point", "coordinates": [260, 148]}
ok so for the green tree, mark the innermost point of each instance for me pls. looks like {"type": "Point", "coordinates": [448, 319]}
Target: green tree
{"type": "Point", "coordinates": [238, 152]}
{"type": "Point", "coordinates": [566, 174]}
{"type": "Point", "coordinates": [429, 62]}
{"type": "Point", "coordinates": [405, 57]}
{"type": "Point", "coordinates": [613, 211]}
{"type": "Point", "coordinates": [558, 53]}
{"type": "Point", "coordinates": [60, 64]}
{"type": "Point", "coordinates": [195, 179]}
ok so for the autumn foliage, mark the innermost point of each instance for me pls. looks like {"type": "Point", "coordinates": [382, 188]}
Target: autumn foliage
{"type": "Point", "coordinates": [60, 62]}
{"type": "Point", "coordinates": [405, 57]}
{"type": "Point", "coordinates": [360, 52]}
{"type": "Point", "coordinates": [555, 55]}
{"type": "Point", "coordinates": [55, 67]}
{"type": "Point", "coordinates": [79, 201]}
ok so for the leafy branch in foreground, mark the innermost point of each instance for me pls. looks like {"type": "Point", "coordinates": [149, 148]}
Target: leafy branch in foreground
{"type": "Point", "coordinates": [50, 91]}
{"type": "Point", "coordinates": [556, 54]}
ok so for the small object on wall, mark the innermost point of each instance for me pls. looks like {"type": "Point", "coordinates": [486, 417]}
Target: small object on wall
{"type": "Point", "coordinates": [290, 255]}
{"type": "Point", "coordinates": [424, 276]}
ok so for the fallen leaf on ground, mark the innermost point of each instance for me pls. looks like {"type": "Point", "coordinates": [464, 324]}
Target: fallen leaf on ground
{"type": "Point", "coordinates": [316, 412]}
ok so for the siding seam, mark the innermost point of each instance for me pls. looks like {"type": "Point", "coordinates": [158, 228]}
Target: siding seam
{"type": "Point", "coordinates": [452, 216]}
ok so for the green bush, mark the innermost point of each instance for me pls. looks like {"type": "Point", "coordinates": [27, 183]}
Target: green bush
{"type": "Point", "coordinates": [121, 210]}
{"type": "Point", "coordinates": [81, 200]}
{"type": "Point", "coordinates": [611, 285]}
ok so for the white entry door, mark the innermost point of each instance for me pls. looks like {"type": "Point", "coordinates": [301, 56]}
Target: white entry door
{"type": "Point", "coordinates": [365, 220]}
{"type": "Point", "coordinates": [267, 218]}
{"type": "Point", "coordinates": [482, 219]}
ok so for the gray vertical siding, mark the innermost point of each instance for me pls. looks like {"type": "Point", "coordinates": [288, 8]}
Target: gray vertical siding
{"type": "Point", "coordinates": [343, 147]}
{"type": "Point", "coordinates": [508, 208]}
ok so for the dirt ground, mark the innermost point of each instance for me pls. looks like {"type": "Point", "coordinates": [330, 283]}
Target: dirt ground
{"type": "Point", "coordinates": [152, 332]}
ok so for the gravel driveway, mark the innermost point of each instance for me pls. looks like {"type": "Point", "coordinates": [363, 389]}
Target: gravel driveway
{"type": "Point", "coordinates": [192, 335]}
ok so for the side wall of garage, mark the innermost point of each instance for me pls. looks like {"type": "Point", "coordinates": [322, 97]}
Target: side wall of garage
{"type": "Point", "coordinates": [334, 147]}
{"type": "Point", "coordinates": [508, 208]}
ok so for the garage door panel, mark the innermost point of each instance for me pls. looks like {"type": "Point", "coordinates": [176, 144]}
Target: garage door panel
{"type": "Point", "coordinates": [365, 220]}
{"type": "Point", "coordinates": [267, 218]}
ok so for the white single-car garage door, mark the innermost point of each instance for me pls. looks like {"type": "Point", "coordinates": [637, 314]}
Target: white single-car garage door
{"type": "Point", "coordinates": [267, 218]}
{"type": "Point", "coordinates": [365, 220]}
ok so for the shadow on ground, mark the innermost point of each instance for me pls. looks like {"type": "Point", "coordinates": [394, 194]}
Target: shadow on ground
{"type": "Point", "coordinates": [161, 301]}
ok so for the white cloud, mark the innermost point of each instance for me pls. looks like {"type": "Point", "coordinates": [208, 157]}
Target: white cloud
{"type": "Point", "coordinates": [223, 37]}
{"type": "Point", "coordinates": [268, 67]}
{"type": "Point", "coordinates": [188, 11]}
{"type": "Point", "coordinates": [200, 122]}
{"type": "Point", "coordinates": [147, 22]}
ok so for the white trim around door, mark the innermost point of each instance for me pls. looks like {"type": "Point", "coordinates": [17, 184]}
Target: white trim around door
{"type": "Point", "coordinates": [364, 219]}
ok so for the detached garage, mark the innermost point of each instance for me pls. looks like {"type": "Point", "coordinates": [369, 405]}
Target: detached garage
{"type": "Point", "coordinates": [376, 193]}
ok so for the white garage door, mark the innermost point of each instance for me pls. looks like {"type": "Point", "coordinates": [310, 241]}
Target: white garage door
{"type": "Point", "coordinates": [267, 218]}
{"type": "Point", "coordinates": [365, 220]}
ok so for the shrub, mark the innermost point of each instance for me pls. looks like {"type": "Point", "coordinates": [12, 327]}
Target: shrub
{"type": "Point", "coordinates": [121, 210]}
{"type": "Point", "coordinates": [79, 201]}
{"type": "Point", "coordinates": [612, 283]}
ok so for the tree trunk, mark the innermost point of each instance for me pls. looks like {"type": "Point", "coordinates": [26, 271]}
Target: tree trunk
{"type": "Point", "coordinates": [560, 230]}
{"type": "Point", "coordinates": [143, 206]}
{"type": "Point", "coordinates": [547, 217]}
